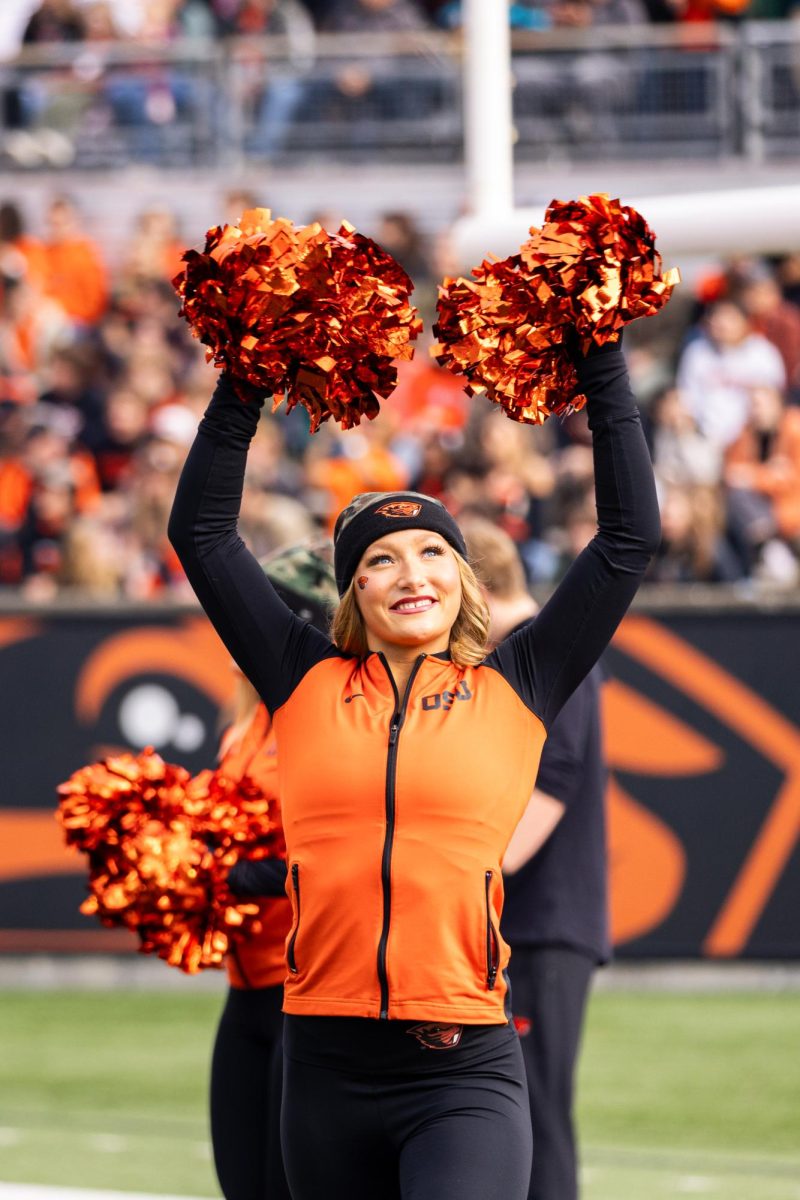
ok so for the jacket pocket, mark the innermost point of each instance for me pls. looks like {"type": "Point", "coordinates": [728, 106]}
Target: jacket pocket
{"type": "Point", "coordinates": [291, 958]}
{"type": "Point", "coordinates": [492, 939]}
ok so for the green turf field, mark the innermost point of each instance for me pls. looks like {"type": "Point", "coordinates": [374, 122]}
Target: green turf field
{"type": "Point", "coordinates": [679, 1095]}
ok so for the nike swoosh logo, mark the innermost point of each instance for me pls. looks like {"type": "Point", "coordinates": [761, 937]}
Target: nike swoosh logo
{"type": "Point", "coordinates": [354, 696]}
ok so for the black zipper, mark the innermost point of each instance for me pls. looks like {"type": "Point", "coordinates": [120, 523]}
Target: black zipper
{"type": "Point", "coordinates": [290, 958]}
{"type": "Point", "coordinates": [396, 725]}
{"type": "Point", "coordinates": [492, 948]}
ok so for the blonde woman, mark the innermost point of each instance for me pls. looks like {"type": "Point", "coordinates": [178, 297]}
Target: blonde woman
{"type": "Point", "coordinates": [406, 756]}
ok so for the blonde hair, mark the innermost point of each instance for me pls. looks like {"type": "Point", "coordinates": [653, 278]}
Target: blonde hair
{"type": "Point", "coordinates": [468, 636]}
{"type": "Point", "coordinates": [498, 565]}
{"type": "Point", "coordinates": [91, 560]}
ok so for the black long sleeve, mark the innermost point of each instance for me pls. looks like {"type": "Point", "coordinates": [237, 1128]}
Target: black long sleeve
{"type": "Point", "coordinates": [547, 659]}
{"type": "Point", "coordinates": [272, 646]}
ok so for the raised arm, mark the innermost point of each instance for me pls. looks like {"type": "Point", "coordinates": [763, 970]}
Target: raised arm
{"type": "Point", "coordinates": [272, 646]}
{"type": "Point", "coordinates": [546, 660]}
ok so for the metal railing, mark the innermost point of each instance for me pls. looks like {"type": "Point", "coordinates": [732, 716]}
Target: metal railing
{"type": "Point", "coordinates": [644, 92]}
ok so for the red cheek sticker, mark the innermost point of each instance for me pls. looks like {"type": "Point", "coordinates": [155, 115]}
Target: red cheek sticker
{"type": "Point", "coordinates": [362, 582]}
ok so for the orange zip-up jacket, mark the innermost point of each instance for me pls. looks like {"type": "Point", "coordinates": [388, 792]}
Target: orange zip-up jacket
{"type": "Point", "coordinates": [398, 809]}
{"type": "Point", "coordinates": [259, 961]}
{"type": "Point", "coordinates": [405, 806]}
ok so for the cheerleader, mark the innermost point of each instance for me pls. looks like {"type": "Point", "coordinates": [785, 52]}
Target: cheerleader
{"type": "Point", "coordinates": [407, 755]}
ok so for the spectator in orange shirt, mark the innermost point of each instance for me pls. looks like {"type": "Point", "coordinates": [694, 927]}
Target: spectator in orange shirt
{"type": "Point", "coordinates": [777, 319]}
{"type": "Point", "coordinates": [20, 254]}
{"type": "Point", "coordinates": [32, 326]}
{"type": "Point", "coordinates": [75, 272]}
{"type": "Point", "coordinates": [762, 473]}
{"type": "Point", "coordinates": [16, 486]}
{"type": "Point", "coordinates": [34, 329]}
{"type": "Point", "coordinates": [53, 449]}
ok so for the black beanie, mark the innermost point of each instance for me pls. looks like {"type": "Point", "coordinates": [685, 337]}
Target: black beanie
{"type": "Point", "coordinates": [372, 515]}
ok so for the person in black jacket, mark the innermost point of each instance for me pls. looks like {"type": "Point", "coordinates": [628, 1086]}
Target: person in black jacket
{"type": "Point", "coordinates": [555, 916]}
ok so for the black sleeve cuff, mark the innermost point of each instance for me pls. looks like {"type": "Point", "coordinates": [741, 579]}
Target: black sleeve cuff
{"type": "Point", "coordinates": [231, 416]}
{"type": "Point", "coordinates": [603, 377]}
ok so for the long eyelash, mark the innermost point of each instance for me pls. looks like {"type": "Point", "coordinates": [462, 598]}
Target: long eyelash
{"type": "Point", "coordinates": [435, 548]}
{"type": "Point", "coordinates": [376, 558]}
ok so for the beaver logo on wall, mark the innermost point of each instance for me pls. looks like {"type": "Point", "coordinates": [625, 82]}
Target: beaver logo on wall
{"type": "Point", "coordinates": [110, 686]}
{"type": "Point", "coordinates": [703, 804]}
{"type": "Point", "coordinates": [688, 865]}
{"type": "Point", "coordinates": [142, 669]}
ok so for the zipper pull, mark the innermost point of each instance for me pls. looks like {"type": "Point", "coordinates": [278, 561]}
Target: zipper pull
{"type": "Point", "coordinates": [492, 947]}
{"type": "Point", "coordinates": [290, 958]}
{"type": "Point", "coordinates": [394, 730]}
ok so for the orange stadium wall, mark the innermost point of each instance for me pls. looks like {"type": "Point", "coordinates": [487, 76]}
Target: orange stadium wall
{"type": "Point", "coordinates": [702, 718]}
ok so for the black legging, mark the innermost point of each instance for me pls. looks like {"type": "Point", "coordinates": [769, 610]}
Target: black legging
{"type": "Point", "coordinates": [550, 986]}
{"type": "Point", "coordinates": [246, 1071]}
{"type": "Point", "coordinates": [371, 1114]}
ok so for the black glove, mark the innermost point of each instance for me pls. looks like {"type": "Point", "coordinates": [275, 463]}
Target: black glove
{"type": "Point", "coordinates": [263, 877]}
{"type": "Point", "coordinates": [243, 390]}
{"type": "Point", "coordinates": [573, 346]}
{"type": "Point", "coordinates": [607, 347]}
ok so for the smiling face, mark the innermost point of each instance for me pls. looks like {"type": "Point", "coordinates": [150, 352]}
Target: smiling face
{"type": "Point", "coordinates": [408, 591]}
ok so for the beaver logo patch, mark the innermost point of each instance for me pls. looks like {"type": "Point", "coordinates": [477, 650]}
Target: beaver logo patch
{"type": "Point", "coordinates": [399, 508]}
{"type": "Point", "coordinates": [437, 1037]}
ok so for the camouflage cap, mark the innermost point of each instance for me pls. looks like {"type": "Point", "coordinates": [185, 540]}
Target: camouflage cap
{"type": "Point", "coordinates": [303, 577]}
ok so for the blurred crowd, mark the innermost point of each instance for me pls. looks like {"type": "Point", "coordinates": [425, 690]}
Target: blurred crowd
{"type": "Point", "coordinates": [102, 386]}
{"type": "Point", "coordinates": [90, 82]}
{"type": "Point", "coordinates": [36, 21]}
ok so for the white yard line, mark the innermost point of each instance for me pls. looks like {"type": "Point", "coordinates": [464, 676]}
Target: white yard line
{"type": "Point", "coordinates": [692, 1161]}
{"type": "Point", "coordinates": [32, 1191]}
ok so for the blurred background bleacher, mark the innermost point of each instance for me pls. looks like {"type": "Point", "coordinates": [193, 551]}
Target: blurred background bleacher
{"type": "Point", "coordinates": [126, 129]}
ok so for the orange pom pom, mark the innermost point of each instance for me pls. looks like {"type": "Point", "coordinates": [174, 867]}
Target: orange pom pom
{"type": "Point", "coordinates": [160, 845]}
{"type": "Point", "coordinates": [588, 271]}
{"type": "Point", "coordinates": [319, 317]}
